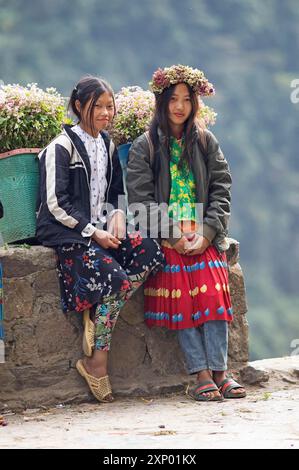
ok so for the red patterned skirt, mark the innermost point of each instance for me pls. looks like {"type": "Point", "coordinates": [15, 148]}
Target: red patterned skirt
{"type": "Point", "coordinates": [189, 291]}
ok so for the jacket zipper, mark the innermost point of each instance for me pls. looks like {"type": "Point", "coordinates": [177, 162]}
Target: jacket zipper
{"type": "Point", "coordinates": [110, 157]}
{"type": "Point", "coordinates": [85, 172]}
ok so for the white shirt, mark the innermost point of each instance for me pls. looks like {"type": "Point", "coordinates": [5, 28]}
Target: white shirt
{"type": "Point", "coordinates": [98, 157]}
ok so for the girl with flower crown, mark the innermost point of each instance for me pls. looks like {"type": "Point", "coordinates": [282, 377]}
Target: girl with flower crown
{"type": "Point", "coordinates": [80, 215]}
{"type": "Point", "coordinates": [180, 163]}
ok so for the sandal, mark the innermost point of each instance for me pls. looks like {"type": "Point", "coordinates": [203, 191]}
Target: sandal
{"type": "Point", "coordinates": [88, 334]}
{"type": "Point", "coordinates": [227, 385]}
{"type": "Point", "coordinates": [99, 387]}
{"type": "Point", "coordinates": [197, 391]}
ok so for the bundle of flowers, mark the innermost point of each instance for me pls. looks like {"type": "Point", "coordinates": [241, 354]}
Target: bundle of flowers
{"type": "Point", "coordinates": [29, 116]}
{"type": "Point", "coordinates": [206, 114]}
{"type": "Point", "coordinates": [134, 111]}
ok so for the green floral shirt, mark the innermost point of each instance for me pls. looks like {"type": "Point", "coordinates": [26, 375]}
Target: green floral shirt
{"type": "Point", "coordinates": [183, 190]}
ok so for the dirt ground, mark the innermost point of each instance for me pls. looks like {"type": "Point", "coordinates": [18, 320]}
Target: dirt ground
{"type": "Point", "coordinates": [267, 418]}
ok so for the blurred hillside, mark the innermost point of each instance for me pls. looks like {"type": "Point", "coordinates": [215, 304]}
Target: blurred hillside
{"type": "Point", "coordinates": [249, 51]}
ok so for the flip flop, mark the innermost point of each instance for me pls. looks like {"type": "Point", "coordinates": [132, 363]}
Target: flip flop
{"type": "Point", "coordinates": [226, 387]}
{"type": "Point", "coordinates": [197, 391]}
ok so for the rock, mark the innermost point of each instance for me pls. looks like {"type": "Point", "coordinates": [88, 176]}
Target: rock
{"type": "Point", "coordinates": [288, 380]}
{"type": "Point", "coordinates": [233, 253]}
{"type": "Point", "coordinates": [237, 289]}
{"type": "Point", "coordinates": [22, 293]}
{"type": "Point", "coordinates": [42, 344]}
{"type": "Point", "coordinates": [238, 328]}
{"type": "Point", "coordinates": [252, 375]}
{"type": "Point", "coordinates": [19, 262]}
{"type": "Point", "coordinates": [132, 312]}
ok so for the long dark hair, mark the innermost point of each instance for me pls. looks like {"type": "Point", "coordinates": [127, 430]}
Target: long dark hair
{"type": "Point", "coordinates": [89, 87]}
{"type": "Point", "coordinates": [193, 128]}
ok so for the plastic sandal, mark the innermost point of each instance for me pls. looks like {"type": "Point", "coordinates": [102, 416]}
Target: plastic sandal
{"type": "Point", "coordinates": [99, 387]}
{"type": "Point", "coordinates": [197, 391]}
{"type": "Point", "coordinates": [227, 385]}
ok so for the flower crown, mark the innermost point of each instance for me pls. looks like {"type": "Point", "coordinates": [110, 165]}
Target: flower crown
{"type": "Point", "coordinates": [164, 78]}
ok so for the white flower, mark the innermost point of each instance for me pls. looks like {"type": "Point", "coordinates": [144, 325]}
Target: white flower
{"type": "Point", "coordinates": [90, 264]}
{"type": "Point", "coordinates": [94, 286]}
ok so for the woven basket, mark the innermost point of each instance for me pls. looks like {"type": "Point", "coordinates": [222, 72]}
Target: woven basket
{"type": "Point", "coordinates": [19, 178]}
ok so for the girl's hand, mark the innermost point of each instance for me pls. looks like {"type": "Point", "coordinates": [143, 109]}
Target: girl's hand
{"type": "Point", "coordinates": [105, 239]}
{"type": "Point", "coordinates": [197, 246]}
{"type": "Point", "coordinates": [179, 246]}
{"type": "Point", "coordinates": [117, 225]}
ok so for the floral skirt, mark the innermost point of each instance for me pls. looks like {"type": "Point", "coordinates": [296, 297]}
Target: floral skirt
{"type": "Point", "coordinates": [189, 291]}
{"type": "Point", "coordinates": [88, 274]}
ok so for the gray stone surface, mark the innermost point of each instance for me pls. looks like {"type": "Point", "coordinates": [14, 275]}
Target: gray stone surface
{"type": "Point", "coordinates": [252, 375]}
{"type": "Point", "coordinates": [42, 344]}
{"type": "Point", "coordinates": [268, 418]}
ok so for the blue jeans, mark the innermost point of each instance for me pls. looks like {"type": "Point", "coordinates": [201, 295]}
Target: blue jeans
{"type": "Point", "coordinates": [205, 347]}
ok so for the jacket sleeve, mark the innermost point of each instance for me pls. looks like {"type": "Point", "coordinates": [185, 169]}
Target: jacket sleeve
{"type": "Point", "coordinates": [54, 162]}
{"type": "Point", "coordinates": [219, 196]}
{"type": "Point", "coordinates": [141, 190]}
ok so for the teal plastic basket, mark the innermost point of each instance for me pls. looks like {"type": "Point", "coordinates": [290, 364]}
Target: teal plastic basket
{"type": "Point", "coordinates": [19, 178]}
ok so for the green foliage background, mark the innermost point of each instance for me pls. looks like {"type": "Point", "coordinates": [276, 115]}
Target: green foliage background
{"type": "Point", "coordinates": [249, 50]}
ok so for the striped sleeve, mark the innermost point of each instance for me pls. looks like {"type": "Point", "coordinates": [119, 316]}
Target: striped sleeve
{"type": "Point", "coordinates": [56, 167]}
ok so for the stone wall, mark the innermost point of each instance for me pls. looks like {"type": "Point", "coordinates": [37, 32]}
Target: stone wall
{"type": "Point", "coordinates": [42, 344]}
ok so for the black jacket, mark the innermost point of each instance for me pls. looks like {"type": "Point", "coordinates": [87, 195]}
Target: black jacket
{"type": "Point", "coordinates": [63, 205]}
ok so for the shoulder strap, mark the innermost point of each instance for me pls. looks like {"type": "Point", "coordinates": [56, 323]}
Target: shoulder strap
{"type": "Point", "coordinates": [203, 141]}
{"type": "Point", "coordinates": [203, 144]}
{"type": "Point", "coordinates": [151, 148]}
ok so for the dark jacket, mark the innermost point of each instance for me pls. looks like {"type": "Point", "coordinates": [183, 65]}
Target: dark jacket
{"type": "Point", "coordinates": [213, 183]}
{"type": "Point", "coordinates": [1, 210]}
{"type": "Point", "coordinates": [64, 192]}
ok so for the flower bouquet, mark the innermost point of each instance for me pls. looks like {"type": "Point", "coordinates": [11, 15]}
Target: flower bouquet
{"type": "Point", "coordinates": [29, 116]}
{"type": "Point", "coordinates": [134, 110]}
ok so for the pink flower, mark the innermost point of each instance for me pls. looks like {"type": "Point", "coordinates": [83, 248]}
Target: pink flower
{"type": "Point", "coordinates": [109, 323]}
{"type": "Point", "coordinates": [160, 79]}
{"type": "Point", "coordinates": [135, 239]}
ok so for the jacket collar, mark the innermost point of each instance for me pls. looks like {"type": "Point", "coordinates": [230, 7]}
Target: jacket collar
{"type": "Point", "coordinates": [79, 144]}
{"type": "Point", "coordinates": [163, 138]}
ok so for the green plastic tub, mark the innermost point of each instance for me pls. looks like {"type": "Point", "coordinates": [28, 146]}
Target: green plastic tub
{"type": "Point", "coordinates": [19, 177]}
